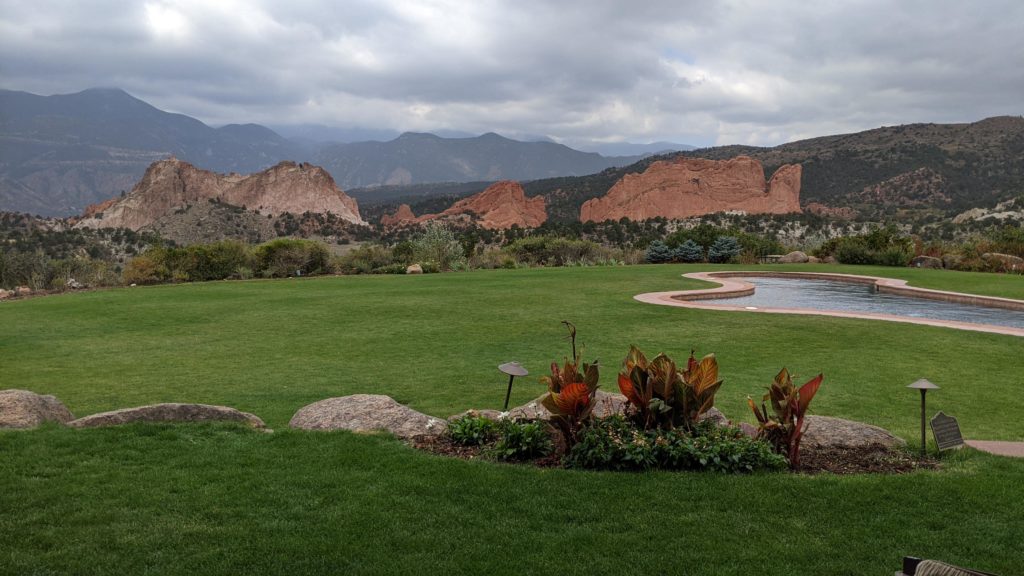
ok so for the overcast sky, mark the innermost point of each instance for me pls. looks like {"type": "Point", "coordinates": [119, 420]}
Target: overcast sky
{"type": "Point", "coordinates": [703, 73]}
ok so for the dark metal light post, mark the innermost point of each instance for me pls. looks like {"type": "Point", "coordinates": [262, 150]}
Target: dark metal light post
{"type": "Point", "coordinates": [924, 386]}
{"type": "Point", "coordinates": [513, 369]}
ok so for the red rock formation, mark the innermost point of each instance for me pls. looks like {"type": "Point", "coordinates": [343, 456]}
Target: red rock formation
{"type": "Point", "coordinates": [502, 205]}
{"type": "Point", "coordinates": [402, 217]}
{"type": "Point", "coordinates": [171, 184]}
{"type": "Point", "coordinates": [687, 187]}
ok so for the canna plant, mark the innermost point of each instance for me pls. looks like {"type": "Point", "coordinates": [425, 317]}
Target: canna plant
{"type": "Point", "coordinates": [571, 391]}
{"type": "Point", "coordinates": [664, 397]}
{"type": "Point", "coordinates": [784, 427]}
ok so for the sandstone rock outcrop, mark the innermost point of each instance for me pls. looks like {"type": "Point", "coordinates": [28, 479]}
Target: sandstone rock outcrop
{"type": "Point", "coordinates": [21, 409]}
{"type": "Point", "coordinates": [367, 413]}
{"type": "Point", "coordinates": [502, 205]}
{"type": "Point", "coordinates": [170, 185]}
{"type": "Point", "coordinates": [402, 216]}
{"type": "Point", "coordinates": [687, 187]}
{"type": "Point", "coordinates": [168, 412]}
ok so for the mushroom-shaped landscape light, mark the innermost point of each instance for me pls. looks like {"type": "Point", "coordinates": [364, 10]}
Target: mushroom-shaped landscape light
{"type": "Point", "coordinates": [513, 369]}
{"type": "Point", "coordinates": [924, 386]}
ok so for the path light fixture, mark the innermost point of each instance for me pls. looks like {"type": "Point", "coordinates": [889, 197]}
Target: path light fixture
{"type": "Point", "coordinates": [513, 369]}
{"type": "Point", "coordinates": [924, 386]}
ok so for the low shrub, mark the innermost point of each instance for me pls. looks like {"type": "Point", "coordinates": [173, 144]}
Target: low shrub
{"type": "Point", "coordinates": [615, 443]}
{"type": "Point", "coordinates": [472, 430]}
{"type": "Point", "coordinates": [284, 257]}
{"type": "Point", "coordinates": [522, 441]}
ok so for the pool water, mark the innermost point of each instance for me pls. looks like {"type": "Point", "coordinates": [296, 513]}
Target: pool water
{"type": "Point", "coordinates": [849, 297]}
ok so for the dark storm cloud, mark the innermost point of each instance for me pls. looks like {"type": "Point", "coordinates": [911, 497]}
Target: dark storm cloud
{"type": "Point", "coordinates": [702, 72]}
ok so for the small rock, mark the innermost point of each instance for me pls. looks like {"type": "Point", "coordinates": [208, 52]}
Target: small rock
{"type": "Point", "coordinates": [168, 412]}
{"type": "Point", "coordinates": [926, 262]}
{"type": "Point", "coordinates": [367, 413]}
{"type": "Point", "coordinates": [414, 269]}
{"type": "Point", "coordinates": [796, 257]}
{"type": "Point", "coordinates": [74, 284]}
{"type": "Point", "coordinates": [23, 410]}
{"type": "Point", "coordinates": [829, 432]}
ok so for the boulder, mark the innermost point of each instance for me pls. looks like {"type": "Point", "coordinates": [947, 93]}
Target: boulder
{"type": "Point", "coordinates": [830, 260]}
{"type": "Point", "coordinates": [21, 409]}
{"type": "Point", "coordinates": [74, 284]}
{"type": "Point", "coordinates": [367, 413]}
{"type": "Point", "coordinates": [168, 412]}
{"type": "Point", "coordinates": [414, 269]}
{"type": "Point", "coordinates": [606, 405]}
{"type": "Point", "coordinates": [22, 291]}
{"type": "Point", "coordinates": [716, 416]}
{"type": "Point", "coordinates": [825, 432]}
{"type": "Point", "coordinates": [796, 257]}
{"type": "Point", "coordinates": [926, 262]}
{"type": "Point", "coordinates": [494, 415]}
{"type": "Point", "coordinates": [813, 260]}
{"type": "Point", "coordinates": [1006, 262]}
{"type": "Point", "coordinates": [5, 294]}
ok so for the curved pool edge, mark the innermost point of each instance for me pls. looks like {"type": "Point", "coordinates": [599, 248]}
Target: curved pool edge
{"type": "Point", "coordinates": [730, 288]}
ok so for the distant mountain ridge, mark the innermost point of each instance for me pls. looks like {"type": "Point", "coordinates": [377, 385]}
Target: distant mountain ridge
{"type": "Point", "coordinates": [416, 158]}
{"type": "Point", "coordinates": [61, 153]}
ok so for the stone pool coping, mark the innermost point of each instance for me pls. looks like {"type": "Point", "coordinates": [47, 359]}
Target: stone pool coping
{"type": "Point", "coordinates": [729, 288]}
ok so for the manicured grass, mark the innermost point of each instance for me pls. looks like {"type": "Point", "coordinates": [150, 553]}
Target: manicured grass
{"type": "Point", "coordinates": [220, 500]}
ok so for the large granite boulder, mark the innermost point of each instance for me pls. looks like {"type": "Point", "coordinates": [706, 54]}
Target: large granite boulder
{"type": "Point", "coordinates": [926, 262]}
{"type": "Point", "coordinates": [367, 413]}
{"type": "Point", "coordinates": [606, 404]}
{"type": "Point", "coordinates": [21, 409]}
{"type": "Point", "coordinates": [796, 257]}
{"type": "Point", "coordinates": [825, 432]}
{"type": "Point", "coordinates": [168, 412]}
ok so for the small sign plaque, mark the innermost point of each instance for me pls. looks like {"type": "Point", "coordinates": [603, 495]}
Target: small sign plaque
{"type": "Point", "coordinates": [947, 432]}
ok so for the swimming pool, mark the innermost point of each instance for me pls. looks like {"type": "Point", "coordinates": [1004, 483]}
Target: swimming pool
{"type": "Point", "coordinates": [846, 296]}
{"type": "Point", "coordinates": [816, 294]}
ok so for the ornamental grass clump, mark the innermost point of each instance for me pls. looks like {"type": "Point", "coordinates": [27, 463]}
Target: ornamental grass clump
{"type": "Point", "coordinates": [784, 426]}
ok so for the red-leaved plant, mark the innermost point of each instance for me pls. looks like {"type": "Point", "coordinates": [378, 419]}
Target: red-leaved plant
{"type": "Point", "coordinates": [785, 426]}
{"type": "Point", "coordinates": [571, 391]}
{"type": "Point", "coordinates": [662, 395]}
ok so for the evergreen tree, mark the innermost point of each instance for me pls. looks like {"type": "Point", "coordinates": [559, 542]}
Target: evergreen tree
{"type": "Point", "coordinates": [688, 251]}
{"type": "Point", "coordinates": [658, 252]}
{"type": "Point", "coordinates": [724, 249]}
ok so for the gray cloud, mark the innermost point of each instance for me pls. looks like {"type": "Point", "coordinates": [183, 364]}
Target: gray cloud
{"type": "Point", "coordinates": [697, 72]}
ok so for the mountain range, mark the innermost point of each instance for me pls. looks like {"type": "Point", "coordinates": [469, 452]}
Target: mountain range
{"type": "Point", "coordinates": [60, 153]}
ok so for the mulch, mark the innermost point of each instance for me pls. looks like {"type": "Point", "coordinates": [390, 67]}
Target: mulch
{"type": "Point", "coordinates": [873, 459]}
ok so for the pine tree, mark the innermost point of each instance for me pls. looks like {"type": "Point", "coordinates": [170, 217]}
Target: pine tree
{"type": "Point", "coordinates": [724, 249]}
{"type": "Point", "coordinates": [689, 251]}
{"type": "Point", "coordinates": [658, 252]}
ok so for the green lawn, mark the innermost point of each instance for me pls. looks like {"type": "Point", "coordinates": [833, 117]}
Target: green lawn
{"type": "Point", "coordinates": [219, 500]}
